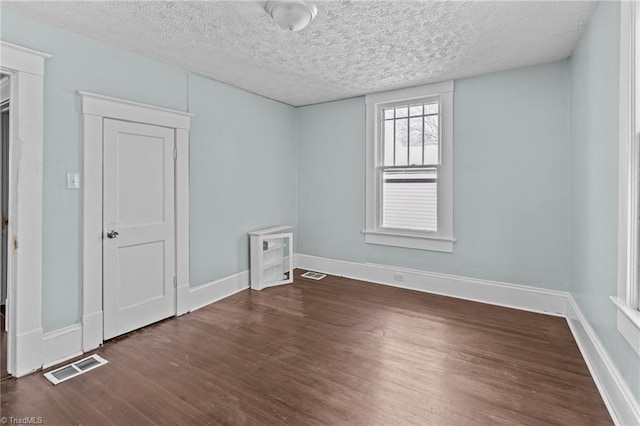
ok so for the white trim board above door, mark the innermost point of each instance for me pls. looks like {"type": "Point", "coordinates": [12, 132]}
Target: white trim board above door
{"type": "Point", "coordinates": [96, 108]}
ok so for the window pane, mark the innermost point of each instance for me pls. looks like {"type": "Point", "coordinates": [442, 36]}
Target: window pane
{"type": "Point", "coordinates": [431, 108]}
{"type": "Point", "coordinates": [402, 144]}
{"type": "Point", "coordinates": [415, 110]}
{"type": "Point", "coordinates": [431, 136]}
{"type": "Point", "coordinates": [402, 112]}
{"type": "Point", "coordinates": [388, 113]}
{"type": "Point", "coordinates": [388, 143]}
{"type": "Point", "coordinates": [415, 141]}
{"type": "Point", "coordinates": [410, 199]}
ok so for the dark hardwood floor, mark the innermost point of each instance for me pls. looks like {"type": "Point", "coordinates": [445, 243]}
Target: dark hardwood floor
{"type": "Point", "coordinates": [330, 352]}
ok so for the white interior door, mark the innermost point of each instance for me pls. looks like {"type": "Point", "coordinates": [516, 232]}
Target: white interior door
{"type": "Point", "coordinates": [138, 226]}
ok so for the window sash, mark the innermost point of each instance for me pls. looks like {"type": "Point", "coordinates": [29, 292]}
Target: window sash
{"type": "Point", "coordinates": [381, 120]}
{"type": "Point", "coordinates": [382, 206]}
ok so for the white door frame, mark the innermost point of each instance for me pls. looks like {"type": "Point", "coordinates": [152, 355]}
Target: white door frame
{"type": "Point", "coordinates": [24, 263]}
{"type": "Point", "coordinates": [95, 109]}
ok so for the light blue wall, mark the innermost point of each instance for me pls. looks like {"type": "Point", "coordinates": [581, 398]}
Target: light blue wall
{"type": "Point", "coordinates": [594, 183]}
{"type": "Point", "coordinates": [242, 174]}
{"type": "Point", "coordinates": [511, 181]}
{"type": "Point", "coordinates": [231, 165]}
{"type": "Point", "coordinates": [331, 171]}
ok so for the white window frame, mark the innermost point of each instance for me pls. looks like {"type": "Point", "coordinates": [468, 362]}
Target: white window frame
{"type": "Point", "coordinates": [628, 299]}
{"type": "Point", "coordinates": [442, 240]}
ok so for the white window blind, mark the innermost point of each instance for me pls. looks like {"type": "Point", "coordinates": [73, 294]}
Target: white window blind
{"type": "Point", "coordinates": [410, 200]}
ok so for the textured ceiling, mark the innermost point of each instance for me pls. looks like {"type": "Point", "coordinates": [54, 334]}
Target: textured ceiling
{"type": "Point", "coordinates": [351, 48]}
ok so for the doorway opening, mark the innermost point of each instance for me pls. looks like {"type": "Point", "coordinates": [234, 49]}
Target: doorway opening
{"type": "Point", "coordinates": [5, 99]}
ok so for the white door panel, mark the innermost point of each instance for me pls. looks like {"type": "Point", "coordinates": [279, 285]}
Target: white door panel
{"type": "Point", "coordinates": [139, 277]}
{"type": "Point", "coordinates": [139, 263]}
{"type": "Point", "coordinates": [141, 189]}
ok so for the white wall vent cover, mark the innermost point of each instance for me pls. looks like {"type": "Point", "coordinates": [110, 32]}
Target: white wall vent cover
{"type": "Point", "coordinates": [69, 371]}
{"type": "Point", "coordinates": [313, 275]}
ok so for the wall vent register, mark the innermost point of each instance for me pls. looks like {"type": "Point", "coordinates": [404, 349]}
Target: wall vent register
{"type": "Point", "coordinates": [77, 368]}
{"type": "Point", "coordinates": [314, 275]}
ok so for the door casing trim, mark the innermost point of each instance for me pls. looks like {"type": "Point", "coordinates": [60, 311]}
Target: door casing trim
{"type": "Point", "coordinates": [24, 258]}
{"type": "Point", "coordinates": [95, 108]}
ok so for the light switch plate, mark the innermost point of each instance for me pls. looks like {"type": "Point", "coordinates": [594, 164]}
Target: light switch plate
{"type": "Point", "coordinates": [73, 180]}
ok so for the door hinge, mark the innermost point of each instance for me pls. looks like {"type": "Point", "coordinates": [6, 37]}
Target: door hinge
{"type": "Point", "coordinates": [175, 282]}
{"type": "Point", "coordinates": [175, 153]}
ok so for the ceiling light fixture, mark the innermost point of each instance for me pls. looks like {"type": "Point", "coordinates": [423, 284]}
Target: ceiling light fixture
{"type": "Point", "coordinates": [292, 15]}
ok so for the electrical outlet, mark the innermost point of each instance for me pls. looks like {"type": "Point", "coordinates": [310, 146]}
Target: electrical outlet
{"type": "Point", "coordinates": [398, 277]}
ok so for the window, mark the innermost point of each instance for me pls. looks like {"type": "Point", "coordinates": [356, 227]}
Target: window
{"type": "Point", "coordinates": [409, 168]}
{"type": "Point", "coordinates": [410, 136]}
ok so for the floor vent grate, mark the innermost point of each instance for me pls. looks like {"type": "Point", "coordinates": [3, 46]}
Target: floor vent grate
{"type": "Point", "coordinates": [77, 368]}
{"type": "Point", "coordinates": [313, 275]}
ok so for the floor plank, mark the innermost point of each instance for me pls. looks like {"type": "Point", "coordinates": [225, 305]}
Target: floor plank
{"type": "Point", "coordinates": [335, 351]}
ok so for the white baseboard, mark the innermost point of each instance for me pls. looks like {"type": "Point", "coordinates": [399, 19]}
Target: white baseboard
{"type": "Point", "coordinates": [183, 299]}
{"type": "Point", "coordinates": [492, 292]}
{"type": "Point", "coordinates": [28, 353]}
{"type": "Point", "coordinates": [61, 345]}
{"type": "Point", "coordinates": [622, 406]}
{"type": "Point", "coordinates": [214, 291]}
{"type": "Point", "coordinates": [91, 331]}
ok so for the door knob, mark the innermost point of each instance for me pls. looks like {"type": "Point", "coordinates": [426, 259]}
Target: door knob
{"type": "Point", "coordinates": [113, 234]}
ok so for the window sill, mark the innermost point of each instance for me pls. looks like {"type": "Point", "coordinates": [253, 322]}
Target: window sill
{"type": "Point", "coordinates": [419, 242]}
{"type": "Point", "coordinates": [628, 323]}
